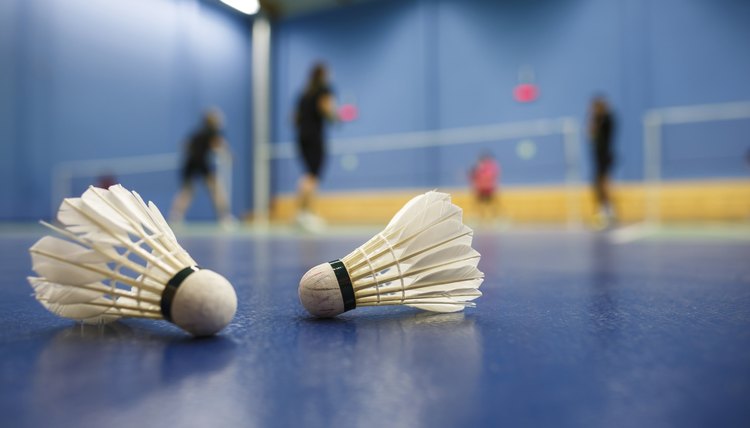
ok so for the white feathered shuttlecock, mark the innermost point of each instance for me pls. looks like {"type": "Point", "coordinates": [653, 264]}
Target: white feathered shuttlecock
{"type": "Point", "coordinates": [121, 260]}
{"type": "Point", "coordinates": [423, 259]}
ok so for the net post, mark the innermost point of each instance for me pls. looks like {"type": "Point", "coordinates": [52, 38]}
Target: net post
{"type": "Point", "coordinates": [571, 145]}
{"type": "Point", "coordinates": [652, 167]}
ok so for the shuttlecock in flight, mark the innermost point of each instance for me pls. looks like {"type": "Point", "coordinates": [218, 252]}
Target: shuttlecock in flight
{"type": "Point", "coordinates": [121, 260]}
{"type": "Point", "coordinates": [423, 259]}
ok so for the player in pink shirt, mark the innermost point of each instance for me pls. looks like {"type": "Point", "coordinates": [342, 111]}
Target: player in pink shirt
{"type": "Point", "coordinates": [485, 176]}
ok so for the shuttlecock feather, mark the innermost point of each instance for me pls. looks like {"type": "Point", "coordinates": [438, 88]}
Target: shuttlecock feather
{"type": "Point", "coordinates": [423, 259]}
{"type": "Point", "coordinates": [120, 260]}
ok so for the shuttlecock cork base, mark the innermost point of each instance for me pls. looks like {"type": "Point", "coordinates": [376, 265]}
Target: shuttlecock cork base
{"type": "Point", "coordinates": [326, 290]}
{"type": "Point", "coordinates": [199, 301]}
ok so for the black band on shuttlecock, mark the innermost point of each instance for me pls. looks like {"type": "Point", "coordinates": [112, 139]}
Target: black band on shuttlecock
{"type": "Point", "coordinates": [171, 289]}
{"type": "Point", "coordinates": [345, 284]}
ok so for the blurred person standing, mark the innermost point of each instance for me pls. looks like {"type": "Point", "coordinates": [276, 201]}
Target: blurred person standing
{"type": "Point", "coordinates": [315, 107]}
{"type": "Point", "coordinates": [198, 162]}
{"type": "Point", "coordinates": [601, 131]}
{"type": "Point", "coordinates": [484, 181]}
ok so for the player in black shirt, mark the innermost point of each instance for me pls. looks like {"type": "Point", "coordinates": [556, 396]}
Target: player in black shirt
{"type": "Point", "coordinates": [315, 106]}
{"type": "Point", "coordinates": [197, 163]}
{"type": "Point", "coordinates": [601, 130]}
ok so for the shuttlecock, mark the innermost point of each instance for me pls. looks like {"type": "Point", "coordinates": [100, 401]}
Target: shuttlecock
{"type": "Point", "coordinates": [423, 259]}
{"type": "Point", "coordinates": [121, 260]}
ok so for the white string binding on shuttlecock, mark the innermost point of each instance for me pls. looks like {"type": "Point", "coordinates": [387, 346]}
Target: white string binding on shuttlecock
{"type": "Point", "coordinates": [372, 274]}
{"type": "Point", "coordinates": [398, 267]}
{"type": "Point", "coordinates": [423, 258]}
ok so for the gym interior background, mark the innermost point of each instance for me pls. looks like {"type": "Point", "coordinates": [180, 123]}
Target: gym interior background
{"type": "Point", "coordinates": [94, 88]}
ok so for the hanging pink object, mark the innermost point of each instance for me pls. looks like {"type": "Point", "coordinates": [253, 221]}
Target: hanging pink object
{"type": "Point", "coordinates": [348, 112]}
{"type": "Point", "coordinates": [525, 92]}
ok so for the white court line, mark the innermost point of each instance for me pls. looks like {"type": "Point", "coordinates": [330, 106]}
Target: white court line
{"type": "Point", "coordinates": [632, 233]}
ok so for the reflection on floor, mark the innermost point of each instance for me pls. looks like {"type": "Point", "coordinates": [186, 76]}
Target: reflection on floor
{"type": "Point", "coordinates": [574, 329]}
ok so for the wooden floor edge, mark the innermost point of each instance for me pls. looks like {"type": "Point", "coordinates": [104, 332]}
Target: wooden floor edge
{"type": "Point", "coordinates": [684, 200]}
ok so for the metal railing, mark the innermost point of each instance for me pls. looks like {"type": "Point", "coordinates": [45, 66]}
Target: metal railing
{"type": "Point", "coordinates": [654, 121]}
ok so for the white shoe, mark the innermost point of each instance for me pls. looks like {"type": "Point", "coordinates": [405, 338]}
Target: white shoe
{"type": "Point", "coordinates": [228, 223]}
{"type": "Point", "coordinates": [605, 220]}
{"type": "Point", "coordinates": [310, 222]}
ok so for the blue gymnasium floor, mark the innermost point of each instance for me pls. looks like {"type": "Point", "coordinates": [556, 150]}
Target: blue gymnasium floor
{"type": "Point", "coordinates": [572, 331]}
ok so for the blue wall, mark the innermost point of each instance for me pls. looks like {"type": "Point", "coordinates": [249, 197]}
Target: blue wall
{"type": "Point", "coordinates": [431, 64]}
{"type": "Point", "coordinates": [98, 79]}
{"type": "Point", "coordinates": [83, 79]}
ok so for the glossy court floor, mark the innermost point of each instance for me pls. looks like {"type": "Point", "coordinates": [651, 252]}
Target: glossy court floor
{"type": "Point", "coordinates": [575, 329]}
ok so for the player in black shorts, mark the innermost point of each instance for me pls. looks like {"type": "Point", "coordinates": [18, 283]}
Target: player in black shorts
{"type": "Point", "coordinates": [601, 130]}
{"type": "Point", "coordinates": [197, 164]}
{"type": "Point", "coordinates": [316, 105]}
